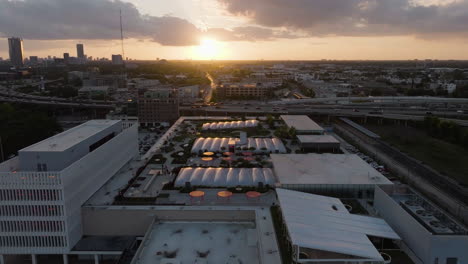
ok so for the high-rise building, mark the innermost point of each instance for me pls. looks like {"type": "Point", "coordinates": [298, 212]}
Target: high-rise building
{"type": "Point", "coordinates": [16, 51]}
{"type": "Point", "coordinates": [66, 58]}
{"type": "Point", "coordinates": [33, 60]}
{"type": "Point", "coordinates": [80, 51]}
{"type": "Point", "coordinates": [117, 59]}
{"type": "Point", "coordinates": [42, 190]}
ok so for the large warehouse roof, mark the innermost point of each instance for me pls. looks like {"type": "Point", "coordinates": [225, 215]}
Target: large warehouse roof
{"type": "Point", "coordinates": [323, 223]}
{"type": "Point", "coordinates": [230, 125]}
{"type": "Point", "coordinates": [224, 177]}
{"type": "Point", "coordinates": [317, 139]}
{"type": "Point", "coordinates": [260, 144]}
{"type": "Point", "coordinates": [325, 169]}
{"type": "Point", "coordinates": [302, 123]}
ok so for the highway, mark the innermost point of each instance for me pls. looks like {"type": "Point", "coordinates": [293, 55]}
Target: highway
{"type": "Point", "coordinates": [379, 99]}
{"type": "Point", "coordinates": [395, 114]}
{"type": "Point", "coordinates": [9, 95]}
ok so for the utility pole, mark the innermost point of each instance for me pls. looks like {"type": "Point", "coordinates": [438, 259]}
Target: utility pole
{"type": "Point", "coordinates": [1, 149]}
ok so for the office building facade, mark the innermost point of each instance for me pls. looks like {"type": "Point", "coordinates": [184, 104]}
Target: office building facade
{"type": "Point", "coordinates": [158, 105]}
{"type": "Point", "coordinates": [15, 46]}
{"type": "Point", "coordinates": [80, 51]}
{"type": "Point", "coordinates": [42, 190]}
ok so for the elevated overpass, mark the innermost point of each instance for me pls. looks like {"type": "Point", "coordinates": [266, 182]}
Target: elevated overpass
{"type": "Point", "coordinates": [376, 99]}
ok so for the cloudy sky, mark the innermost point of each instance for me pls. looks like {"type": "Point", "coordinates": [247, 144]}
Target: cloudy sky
{"type": "Point", "coordinates": [241, 29]}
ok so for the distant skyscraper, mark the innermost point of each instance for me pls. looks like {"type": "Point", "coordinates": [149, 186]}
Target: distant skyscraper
{"type": "Point", "coordinates": [66, 58]}
{"type": "Point", "coordinates": [16, 51]}
{"type": "Point", "coordinates": [80, 51]}
{"type": "Point", "coordinates": [33, 60]}
{"type": "Point", "coordinates": [117, 59]}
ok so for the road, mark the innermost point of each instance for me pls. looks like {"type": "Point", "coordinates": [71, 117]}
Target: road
{"type": "Point", "coordinates": [209, 91]}
{"type": "Point", "coordinates": [394, 114]}
{"type": "Point", "coordinates": [389, 99]}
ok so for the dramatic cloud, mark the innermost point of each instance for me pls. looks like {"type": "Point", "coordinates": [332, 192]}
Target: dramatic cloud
{"type": "Point", "coordinates": [250, 33]}
{"type": "Point", "coordinates": [99, 19]}
{"type": "Point", "coordinates": [90, 19]}
{"type": "Point", "coordinates": [356, 17]}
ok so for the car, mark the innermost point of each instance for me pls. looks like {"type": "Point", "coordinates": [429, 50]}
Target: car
{"type": "Point", "coordinates": [258, 108]}
{"type": "Point", "coordinates": [428, 113]}
{"type": "Point", "coordinates": [355, 110]}
{"type": "Point", "coordinates": [460, 111]}
{"type": "Point", "coordinates": [218, 107]}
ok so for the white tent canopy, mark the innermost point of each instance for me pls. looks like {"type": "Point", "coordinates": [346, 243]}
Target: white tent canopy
{"type": "Point", "coordinates": [230, 124]}
{"type": "Point", "coordinates": [224, 177]}
{"type": "Point", "coordinates": [273, 145]}
{"type": "Point", "coordinates": [323, 223]}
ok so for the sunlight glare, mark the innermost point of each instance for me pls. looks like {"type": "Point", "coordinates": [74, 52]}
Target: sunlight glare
{"type": "Point", "coordinates": [208, 49]}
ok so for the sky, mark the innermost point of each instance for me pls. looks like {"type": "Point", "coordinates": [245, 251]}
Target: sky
{"type": "Point", "coordinates": [240, 29]}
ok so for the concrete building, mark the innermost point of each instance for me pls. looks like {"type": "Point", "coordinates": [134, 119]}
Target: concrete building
{"type": "Point", "coordinates": [338, 175]}
{"type": "Point", "coordinates": [66, 58]}
{"type": "Point", "coordinates": [158, 105]}
{"type": "Point", "coordinates": [42, 190]}
{"type": "Point", "coordinates": [319, 229]}
{"type": "Point", "coordinates": [33, 60]}
{"type": "Point", "coordinates": [15, 48]}
{"type": "Point", "coordinates": [189, 94]}
{"type": "Point", "coordinates": [319, 143]}
{"type": "Point", "coordinates": [432, 235]}
{"type": "Point", "coordinates": [303, 124]}
{"type": "Point", "coordinates": [117, 59]}
{"type": "Point", "coordinates": [93, 91]}
{"type": "Point", "coordinates": [250, 88]}
{"type": "Point", "coordinates": [80, 51]}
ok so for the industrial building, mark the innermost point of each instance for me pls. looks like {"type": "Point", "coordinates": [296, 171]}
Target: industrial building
{"type": "Point", "coordinates": [42, 190]}
{"type": "Point", "coordinates": [303, 124]}
{"type": "Point", "coordinates": [256, 145]}
{"type": "Point", "coordinates": [430, 233]}
{"type": "Point", "coordinates": [319, 143]}
{"type": "Point", "coordinates": [225, 177]}
{"type": "Point", "coordinates": [340, 175]}
{"type": "Point", "coordinates": [319, 229]}
{"type": "Point", "coordinates": [230, 125]}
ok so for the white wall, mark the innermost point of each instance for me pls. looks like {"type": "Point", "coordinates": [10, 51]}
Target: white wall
{"type": "Point", "coordinates": [82, 179]}
{"type": "Point", "coordinates": [423, 243]}
{"type": "Point", "coordinates": [58, 160]}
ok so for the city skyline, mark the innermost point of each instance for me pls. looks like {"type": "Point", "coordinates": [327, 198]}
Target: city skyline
{"type": "Point", "coordinates": [227, 30]}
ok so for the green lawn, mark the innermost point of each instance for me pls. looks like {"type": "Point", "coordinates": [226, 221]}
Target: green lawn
{"type": "Point", "coordinates": [445, 157]}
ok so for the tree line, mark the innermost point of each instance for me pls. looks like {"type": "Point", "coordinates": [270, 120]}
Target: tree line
{"type": "Point", "coordinates": [446, 130]}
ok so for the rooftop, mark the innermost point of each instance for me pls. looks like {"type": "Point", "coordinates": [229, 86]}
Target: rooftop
{"type": "Point", "coordinates": [301, 123]}
{"type": "Point", "coordinates": [323, 223]}
{"type": "Point", "coordinates": [317, 139]}
{"type": "Point", "coordinates": [325, 169]}
{"type": "Point", "coordinates": [71, 137]}
{"type": "Point", "coordinates": [200, 242]}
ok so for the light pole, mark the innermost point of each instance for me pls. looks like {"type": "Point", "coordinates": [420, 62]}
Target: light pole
{"type": "Point", "coordinates": [1, 149]}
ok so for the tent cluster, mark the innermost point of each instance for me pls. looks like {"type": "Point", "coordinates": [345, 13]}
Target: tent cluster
{"type": "Point", "coordinates": [225, 177]}
{"type": "Point", "coordinates": [257, 145]}
{"type": "Point", "coordinates": [230, 125]}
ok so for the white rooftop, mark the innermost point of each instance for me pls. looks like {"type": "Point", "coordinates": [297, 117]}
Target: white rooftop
{"type": "Point", "coordinates": [224, 177]}
{"type": "Point", "coordinates": [325, 169]}
{"type": "Point", "coordinates": [317, 139]}
{"type": "Point", "coordinates": [71, 137]}
{"type": "Point", "coordinates": [199, 242]}
{"type": "Point", "coordinates": [301, 123]}
{"type": "Point", "coordinates": [323, 223]}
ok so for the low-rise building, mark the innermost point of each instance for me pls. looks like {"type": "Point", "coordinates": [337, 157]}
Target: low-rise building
{"type": "Point", "coordinates": [158, 105]}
